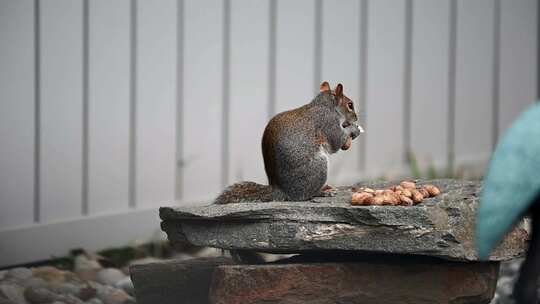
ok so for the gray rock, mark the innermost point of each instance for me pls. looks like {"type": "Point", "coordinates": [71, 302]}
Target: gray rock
{"type": "Point", "coordinates": [19, 273]}
{"type": "Point", "coordinates": [110, 276]}
{"type": "Point", "coordinates": [3, 274]}
{"type": "Point", "coordinates": [442, 226]}
{"type": "Point", "coordinates": [39, 295]}
{"type": "Point", "coordinates": [173, 281]}
{"type": "Point", "coordinates": [12, 292]}
{"type": "Point", "coordinates": [94, 301]}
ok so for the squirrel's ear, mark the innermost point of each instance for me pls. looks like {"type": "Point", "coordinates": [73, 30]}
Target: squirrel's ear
{"type": "Point", "coordinates": [325, 87]}
{"type": "Point", "coordinates": [339, 90]}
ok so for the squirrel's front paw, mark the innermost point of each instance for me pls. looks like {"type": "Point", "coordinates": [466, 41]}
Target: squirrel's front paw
{"type": "Point", "coordinates": [328, 191]}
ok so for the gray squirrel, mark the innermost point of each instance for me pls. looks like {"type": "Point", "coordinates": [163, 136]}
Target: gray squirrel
{"type": "Point", "coordinates": [296, 145]}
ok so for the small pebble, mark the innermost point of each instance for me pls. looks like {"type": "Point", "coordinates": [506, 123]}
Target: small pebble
{"type": "Point", "coordinates": [70, 299]}
{"type": "Point", "coordinates": [94, 301]}
{"type": "Point", "coordinates": [68, 288]}
{"type": "Point", "coordinates": [12, 292]}
{"type": "Point", "coordinates": [34, 282]}
{"type": "Point", "coordinates": [110, 276]}
{"type": "Point", "coordinates": [19, 273]}
{"type": "Point", "coordinates": [126, 284]}
{"type": "Point", "coordinates": [117, 296]}
{"type": "Point", "coordinates": [87, 292]}
{"type": "Point", "coordinates": [39, 295]}
{"type": "Point", "coordinates": [3, 274]}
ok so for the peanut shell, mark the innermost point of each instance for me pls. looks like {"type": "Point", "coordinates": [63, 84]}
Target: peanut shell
{"type": "Point", "coordinates": [378, 200]}
{"type": "Point", "coordinates": [433, 191]}
{"type": "Point", "coordinates": [407, 192]}
{"type": "Point", "coordinates": [417, 197]}
{"type": "Point", "coordinates": [424, 192]}
{"type": "Point", "coordinates": [406, 201]}
{"type": "Point", "coordinates": [360, 198]}
{"type": "Point", "coordinates": [369, 190]}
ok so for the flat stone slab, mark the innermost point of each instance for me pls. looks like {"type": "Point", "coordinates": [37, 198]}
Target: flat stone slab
{"type": "Point", "coordinates": [373, 282]}
{"type": "Point", "coordinates": [442, 226]}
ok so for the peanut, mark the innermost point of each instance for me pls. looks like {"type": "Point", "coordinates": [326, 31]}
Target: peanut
{"type": "Point", "coordinates": [408, 185]}
{"type": "Point", "coordinates": [388, 191]}
{"type": "Point", "coordinates": [390, 199]}
{"type": "Point", "coordinates": [424, 192]}
{"type": "Point", "coordinates": [417, 197]}
{"type": "Point", "coordinates": [433, 191]}
{"type": "Point", "coordinates": [406, 201]}
{"type": "Point", "coordinates": [407, 192]}
{"type": "Point", "coordinates": [369, 201]}
{"type": "Point", "coordinates": [378, 200]}
{"type": "Point", "coordinates": [360, 198]}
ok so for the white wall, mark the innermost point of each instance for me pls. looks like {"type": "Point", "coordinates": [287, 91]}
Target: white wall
{"type": "Point", "coordinates": [109, 110]}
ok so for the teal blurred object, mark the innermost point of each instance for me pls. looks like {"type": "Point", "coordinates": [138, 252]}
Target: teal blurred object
{"type": "Point", "coordinates": [512, 183]}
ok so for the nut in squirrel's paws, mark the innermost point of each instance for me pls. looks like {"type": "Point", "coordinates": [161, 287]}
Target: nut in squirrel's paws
{"type": "Point", "coordinates": [405, 194]}
{"type": "Point", "coordinates": [347, 144]}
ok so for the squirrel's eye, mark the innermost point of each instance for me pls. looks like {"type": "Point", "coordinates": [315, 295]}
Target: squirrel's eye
{"type": "Point", "coordinates": [350, 106]}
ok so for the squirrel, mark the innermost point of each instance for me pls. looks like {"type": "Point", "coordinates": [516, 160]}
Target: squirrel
{"type": "Point", "coordinates": [296, 145]}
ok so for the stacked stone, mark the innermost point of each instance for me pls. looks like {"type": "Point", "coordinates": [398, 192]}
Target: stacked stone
{"type": "Point", "coordinates": [347, 254]}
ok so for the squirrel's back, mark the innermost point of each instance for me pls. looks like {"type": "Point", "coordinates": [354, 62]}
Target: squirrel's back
{"type": "Point", "coordinates": [289, 137]}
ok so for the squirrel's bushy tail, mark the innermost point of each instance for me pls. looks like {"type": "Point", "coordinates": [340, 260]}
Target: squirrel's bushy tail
{"type": "Point", "coordinates": [245, 192]}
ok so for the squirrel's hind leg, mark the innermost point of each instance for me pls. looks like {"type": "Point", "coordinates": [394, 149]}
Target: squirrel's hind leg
{"type": "Point", "coordinates": [304, 182]}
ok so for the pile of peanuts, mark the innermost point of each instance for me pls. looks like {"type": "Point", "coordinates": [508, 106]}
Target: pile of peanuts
{"type": "Point", "coordinates": [406, 194]}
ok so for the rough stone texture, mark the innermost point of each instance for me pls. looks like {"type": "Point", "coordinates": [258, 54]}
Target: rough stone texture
{"type": "Point", "coordinates": [175, 282]}
{"type": "Point", "coordinates": [442, 226]}
{"type": "Point", "coordinates": [395, 281]}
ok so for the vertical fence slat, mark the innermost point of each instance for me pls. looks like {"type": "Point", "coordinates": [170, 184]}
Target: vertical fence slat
{"type": "Point", "coordinates": [340, 57]}
{"type": "Point", "coordinates": [156, 103]}
{"type": "Point", "coordinates": [384, 140]}
{"type": "Point", "coordinates": [249, 89]}
{"type": "Point", "coordinates": [61, 109]}
{"type": "Point", "coordinates": [202, 98]}
{"type": "Point", "coordinates": [519, 62]}
{"type": "Point", "coordinates": [295, 54]}
{"type": "Point", "coordinates": [362, 83]}
{"type": "Point", "coordinates": [180, 177]}
{"type": "Point", "coordinates": [474, 68]}
{"type": "Point", "coordinates": [108, 106]}
{"type": "Point", "coordinates": [429, 91]}
{"type": "Point", "coordinates": [16, 113]}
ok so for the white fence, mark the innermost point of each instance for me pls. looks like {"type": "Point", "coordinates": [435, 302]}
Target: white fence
{"type": "Point", "coordinates": [110, 109]}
